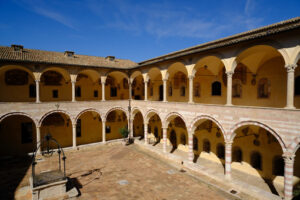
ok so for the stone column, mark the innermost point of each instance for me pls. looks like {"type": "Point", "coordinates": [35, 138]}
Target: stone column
{"type": "Point", "coordinates": [103, 90]}
{"type": "Point", "coordinates": [130, 88]}
{"type": "Point", "coordinates": [74, 135]}
{"type": "Point", "coordinates": [191, 89]}
{"type": "Point", "coordinates": [146, 90]}
{"type": "Point", "coordinates": [73, 91]}
{"type": "Point", "coordinates": [103, 132]}
{"type": "Point", "coordinates": [191, 151]}
{"type": "Point", "coordinates": [229, 88]}
{"type": "Point", "coordinates": [290, 86]}
{"type": "Point", "coordinates": [146, 133]}
{"type": "Point", "coordinates": [228, 150]}
{"type": "Point", "coordinates": [288, 176]}
{"type": "Point", "coordinates": [164, 140]}
{"type": "Point", "coordinates": [38, 139]}
{"type": "Point", "coordinates": [165, 89]}
{"type": "Point", "coordinates": [130, 126]}
{"type": "Point", "coordinates": [37, 90]}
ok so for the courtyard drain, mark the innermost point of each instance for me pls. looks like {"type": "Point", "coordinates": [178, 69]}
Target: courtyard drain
{"type": "Point", "coordinates": [171, 171]}
{"type": "Point", "coordinates": [233, 191]}
{"type": "Point", "coordinates": [182, 170]}
{"type": "Point", "coordinates": [123, 182]}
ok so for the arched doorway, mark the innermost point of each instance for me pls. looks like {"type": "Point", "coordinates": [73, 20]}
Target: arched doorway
{"type": "Point", "coordinates": [17, 135]}
{"type": "Point", "coordinates": [17, 84]}
{"type": "Point", "coordinates": [115, 120]}
{"type": "Point", "coordinates": [88, 128]}
{"type": "Point", "coordinates": [59, 125]}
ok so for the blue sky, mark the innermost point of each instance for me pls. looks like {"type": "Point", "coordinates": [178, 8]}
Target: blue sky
{"type": "Point", "coordinates": [136, 30]}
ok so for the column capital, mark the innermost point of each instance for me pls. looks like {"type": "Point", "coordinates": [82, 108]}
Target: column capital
{"type": "Point", "coordinates": [191, 77]}
{"type": "Point", "coordinates": [37, 80]}
{"type": "Point", "coordinates": [74, 125]}
{"type": "Point", "coordinates": [103, 79]}
{"type": "Point", "coordinates": [146, 123]}
{"type": "Point", "coordinates": [165, 79]}
{"type": "Point", "coordinates": [73, 81]}
{"type": "Point", "coordinates": [290, 67]}
{"type": "Point", "coordinates": [230, 73]}
{"type": "Point", "coordinates": [289, 158]}
{"type": "Point", "coordinates": [228, 143]}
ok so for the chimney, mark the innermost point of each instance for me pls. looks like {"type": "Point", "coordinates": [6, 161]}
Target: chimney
{"type": "Point", "coordinates": [17, 47]}
{"type": "Point", "coordinates": [69, 53]}
{"type": "Point", "coordinates": [110, 58]}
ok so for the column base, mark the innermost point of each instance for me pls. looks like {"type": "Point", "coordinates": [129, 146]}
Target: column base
{"type": "Point", "coordinates": [290, 107]}
{"type": "Point", "coordinates": [228, 176]}
{"type": "Point", "coordinates": [228, 104]}
{"type": "Point", "coordinates": [191, 102]}
{"type": "Point", "coordinates": [37, 101]}
{"type": "Point", "coordinates": [103, 100]}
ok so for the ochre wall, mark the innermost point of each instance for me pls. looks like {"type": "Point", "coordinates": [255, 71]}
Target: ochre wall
{"type": "Point", "coordinates": [91, 128]}
{"type": "Point", "coordinates": [115, 127]}
{"type": "Point", "coordinates": [64, 92]}
{"type": "Point", "coordinates": [11, 139]}
{"type": "Point", "coordinates": [138, 125]}
{"type": "Point", "coordinates": [87, 89]}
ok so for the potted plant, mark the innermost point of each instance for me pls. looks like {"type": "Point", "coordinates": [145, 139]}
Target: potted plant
{"type": "Point", "coordinates": [125, 133]}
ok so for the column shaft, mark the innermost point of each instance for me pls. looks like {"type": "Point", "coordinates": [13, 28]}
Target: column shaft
{"type": "Point", "coordinates": [288, 176]}
{"type": "Point", "coordinates": [164, 140]}
{"type": "Point", "coordinates": [191, 152]}
{"type": "Point", "coordinates": [165, 90]}
{"type": "Point", "coordinates": [146, 90]}
{"type": "Point", "coordinates": [146, 133]}
{"type": "Point", "coordinates": [38, 139]}
{"type": "Point", "coordinates": [229, 88]}
{"type": "Point", "coordinates": [74, 136]}
{"type": "Point", "coordinates": [290, 86]}
{"type": "Point", "coordinates": [37, 90]}
{"type": "Point", "coordinates": [191, 80]}
{"type": "Point", "coordinates": [73, 91]}
{"type": "Point", "coordinates": [103, 132]}
{"type": "Point", "coordinates": [130, 90]}
{"type": "Point", "coordinates": [228, 147]}
{"type": "Point", "coordinates": [103, 91]}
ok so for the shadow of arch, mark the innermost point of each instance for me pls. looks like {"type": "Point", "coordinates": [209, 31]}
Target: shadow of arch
{"type": "Point", "coordinates": [138, 125]}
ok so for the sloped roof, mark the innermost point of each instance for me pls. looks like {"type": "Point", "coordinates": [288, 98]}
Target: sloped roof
{"type": "Point", "coordinates": [51, 57]}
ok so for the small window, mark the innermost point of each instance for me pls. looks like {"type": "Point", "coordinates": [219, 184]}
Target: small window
{"type": "Point", "coordinates": [195, 143]}
{"type": "Point", "coordinates": [216, 88]}
{"type": "Point", "coordinates": [263, 88]}
{"type": "Point", "coordinates": [297, 85]}
{"type": "Point", "coordinates": [78, 128]}
{"type": "Point", "coordinates": [32, 91]}
{"type": "Point", "coordinates": [95, 93]}
{"type": "Point", "coordinates": [26, 132]}
{"type": "Point", "coordinates": [113, 91]}
{"type": "Point", "coordinates": [278, 166]}
{"type": "Point", "coordinates": [182, 91]}
{"type": "Point", "coordinates": [107, 129]}
{"type": "Point", "coordinates": [206, 146]}
{"type": "Point", "coordinates": [237, 155]}
{"type": "Point", "coordinates": [55, 93]}
{"type": "Point", "coordinates": [256, 160]}
{"type": "Point", "coordinates": [78, 91]}
{"type": "Point", "coordinates": [221, 151]}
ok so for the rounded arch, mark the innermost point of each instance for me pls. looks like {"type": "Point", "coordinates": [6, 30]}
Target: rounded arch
{"type": "Point", "coordinates": [152, 71]}
{"type": "Point", "coordinates": [114, 72]}
{"type": "Point", "coordinates": [172, 116]}
{"type": "Point", "coordinates": [116, 108]}
{"type": "Point", "coordinates": [198, 120]}
{"type": "Point", "coordinates": [149, 114]}
{"type": "Point", "coordinates": [20, 67]}
{"type": "Point", "coordinates": [2, 117]}
{"type": "Point", "coordinates": [87, 110]}
{"type": "Point", "coordinates": [175, 67]}
{"type": "Point", "coordinates": [294, 146]}
{"type": "Point", "coordinates": [212, 62]}
{"type": "Point", "coordinates": [135, 74]}
{"type": "Point", "coordinates": [92, 74]}
{"type": "Point", "coordinates": [60, 70]}
{"type": "Point", "coordinates": [55, 111]}
{"type": "Point", "coordinates": [135, 110]}
{"type": "Point", "coordinates": [254, 49]}
{"type": "Point", "coordinates": [297, 58]}
{"type": "Point", "coordinates": [259, 124]}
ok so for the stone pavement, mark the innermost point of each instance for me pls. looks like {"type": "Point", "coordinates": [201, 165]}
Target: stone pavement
{"type": "Point", "coordinates": [122, 172]}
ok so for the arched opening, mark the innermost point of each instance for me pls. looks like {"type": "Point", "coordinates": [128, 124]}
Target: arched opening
{"type": "Point", "coordinates": [297, 87]}
{"type": "Point", "coordinates": [138, 125]}
{"type": "Point", "coordinates": [116, 86]}
{"type": "Point", "coordinates": [59, 125]}
{"type": "Point", "coordinates": [209, 82]}
{"type": "Point", "coordinates": [154, 129]}
{"type": "Point", "coordinates": [55, 85]}
{"type": "Point", "coordinates": [88, 86]}
{"type": "Point", "coordinates": [177, 84]}
{"type": "Point", "coordinates": [211, 150]}
{"type": "Point", "coordinates": [296, 177]}
{"type": "Point", "coordinates": [177, 134]}
{"type": "Point", "coordinates": [237, 154]}
{"type": "Point", "coordinates": [262, 74]}
{"type": "Point", "coordinates": [17, 135]}
{"type": "Point", "coordinates": [88, 128]}
{"type": "Point", "coordinates": [17, 84]}
{"type": "Point", "coordinates": [259, 148]}
{"type": "Point", "coordinates": [138, 88]}
{"type": "Point", "coordinates": [115, 120]}
{"type": "Point", "coordinates": [155, 85]}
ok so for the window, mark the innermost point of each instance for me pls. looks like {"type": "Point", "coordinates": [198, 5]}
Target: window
{"type": "Point", "coordinates": [182, 91]}
{"type": "Point", "coordinates": [237, 88]}
{"type": "Point", "coordinates": [113, 91]}
{"type": "Point", "coordinates": [195, 143]}
{"type": "Point", "coordinates": [263, 88]}
{"type": "Point", "coordinates": [78, 128]}
{"type": "Point", "coordinates": [216, 88]}
{"type": "Point", "coordinates": [278, 166]}
{"type": "Point", "coordinates": [95, 93]}
{"type": "Point", "coordinates": [237, 155]}
{"type": "Point", "coordinates": [78, 91]}
{"type": "Point", "coordinates": [197, 90]}
{"type": "Point", "coordinates": [206, 146]}
{"type": "Point", "coordinates": [256, 160]}
{"type": "Point", "coordinates": [26, 132]}
{"type": "Point", "coordinates": [32, 91]}
{"type": "Point", "coordinates": [55, 93]}
{"type": "Point", "coordinates": [297, 85]}
{"type": "Point", "coordinates": [151, 91]}
{"type": "Point", "coordinates": [107, 129]}
{"type": "Point", "coordinates": [220, 151]}
{"type": "Point", "coordinates": [170, 91]}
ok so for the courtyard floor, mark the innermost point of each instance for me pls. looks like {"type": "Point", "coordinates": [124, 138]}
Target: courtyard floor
{"type": "Point", "coordinates": [115, 172]}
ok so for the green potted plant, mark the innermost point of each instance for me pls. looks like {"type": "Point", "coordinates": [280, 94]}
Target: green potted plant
{"type": "Point", "coordinates": [125, 133]}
